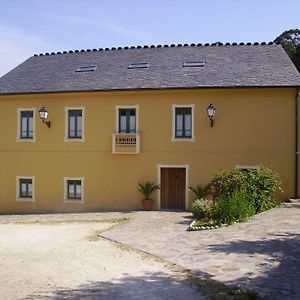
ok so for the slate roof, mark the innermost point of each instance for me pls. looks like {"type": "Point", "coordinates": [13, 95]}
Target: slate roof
{"type": "Point", "coordinates": [264, 65]}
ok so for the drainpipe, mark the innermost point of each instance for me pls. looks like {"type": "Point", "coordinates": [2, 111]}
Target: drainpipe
{"type": "Point", "coordinates": [296, 143]}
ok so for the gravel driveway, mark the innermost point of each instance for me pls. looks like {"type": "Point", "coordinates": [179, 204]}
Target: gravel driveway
{"type": "Point", "coordinates": [62, 257]}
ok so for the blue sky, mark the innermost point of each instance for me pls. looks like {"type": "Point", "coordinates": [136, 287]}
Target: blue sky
{"type": "Point", "coordinates": [35, 26]}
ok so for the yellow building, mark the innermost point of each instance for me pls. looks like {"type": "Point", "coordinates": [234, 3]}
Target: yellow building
{"type": "Point", "coordinates": [116, 117]}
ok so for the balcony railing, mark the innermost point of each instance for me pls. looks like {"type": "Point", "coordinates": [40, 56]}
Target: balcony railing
{"type": "Point", "coordinates": [126, 143]}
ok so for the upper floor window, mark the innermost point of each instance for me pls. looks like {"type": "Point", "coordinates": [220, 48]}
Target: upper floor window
{"type": "Point", "coordinates": [74, 124]}
{"type": "Point", "coordinates": [183, 122]}
{"type": "Point", "coordinates": [127, 120]}
{"type": "Point", "coordinates": [25, 125]}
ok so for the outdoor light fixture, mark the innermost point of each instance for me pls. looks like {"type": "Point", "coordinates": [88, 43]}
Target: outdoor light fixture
{"type": "Point", "coordinates": [211, 111]}
{"type": "Point", "coordinates": [43, 115]}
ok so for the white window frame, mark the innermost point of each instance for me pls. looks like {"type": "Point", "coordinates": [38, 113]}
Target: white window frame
{"type": "Point", "coordinates": [66, 199]}
{"type": "Point", "coordinates": [187, 168]}
{"type": "Point", "coordinates": [67, 139]}
{"type": "Point", "coordinates": [174, 138]}
{"type": "Point", "coordinates": [19, 138]}
{"type": "Point", "coordinates": [254, 167]}
{"type": "Point", "coordinates": [136, 107]}
{"type": "Point", "coordinates": [18, 197]}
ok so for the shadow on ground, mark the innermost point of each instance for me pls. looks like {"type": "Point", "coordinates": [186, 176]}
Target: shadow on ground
{"type": "Point", "coordinates": [280, 280]}
{"type": "Point", "coordinates": [154, 285]}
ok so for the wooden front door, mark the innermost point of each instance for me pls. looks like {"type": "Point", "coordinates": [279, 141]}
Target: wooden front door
{"type": "Point", "coordinates": [172, 188]}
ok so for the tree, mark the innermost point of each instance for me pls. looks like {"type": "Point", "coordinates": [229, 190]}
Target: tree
{"type": "Point", "coordinates": [290, 41]}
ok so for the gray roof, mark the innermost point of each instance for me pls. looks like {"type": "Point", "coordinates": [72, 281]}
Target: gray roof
{"type": "Point", "coordinates": [225, 66]}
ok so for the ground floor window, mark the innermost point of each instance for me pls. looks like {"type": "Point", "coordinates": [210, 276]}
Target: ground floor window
{"type": "Point", "coordinates": [25, 188]}
{"type": "Point", "coordinates": [74, 189]}
{"type": "Point", "coordinates": [246, 168]}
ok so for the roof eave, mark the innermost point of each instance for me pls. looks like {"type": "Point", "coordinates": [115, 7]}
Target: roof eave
{"type": "Point", "coordinates": [151, 89]}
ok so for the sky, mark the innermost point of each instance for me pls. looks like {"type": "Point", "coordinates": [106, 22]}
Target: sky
{"type": "Point", "coordinates": [39, 26]}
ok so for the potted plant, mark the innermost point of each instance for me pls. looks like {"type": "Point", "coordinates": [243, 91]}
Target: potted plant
{"type": "Point", "coordinates": [147, 189]}
{"type": "Point", "coordinates": [200, 191]}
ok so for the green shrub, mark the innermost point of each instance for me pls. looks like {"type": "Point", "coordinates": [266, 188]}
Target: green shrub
{"type": "Point", "coordinates": [201, 208]}
{"type": "Point", "coordinates": [260, 185]}
{"type": "Point", "coordinates": [199, 191]}
{"type": "Point", "coordinates": [225, 182]}
{"type": "Point", "coordinates": [236, 207]}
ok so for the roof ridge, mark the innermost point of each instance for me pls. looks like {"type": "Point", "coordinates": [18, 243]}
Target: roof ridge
{"type": "Point", "coordinates": [158, 46]}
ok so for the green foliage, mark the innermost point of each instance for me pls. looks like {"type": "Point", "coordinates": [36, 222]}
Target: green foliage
{"type": "Point", "coordinates": [225, 182]}
{"type": "Point", "coordinates": [201, 208]}
{"type": "Point", "coordinates": [147, 188]}
{"type": "Point", "coordinates": [199, 191]}
{"type": "Point", "coordinates": [234, 208]}
{"type": "Point", "coordinates": [259, 184]}
{"type": "Point", "coordinates": [290, 41]}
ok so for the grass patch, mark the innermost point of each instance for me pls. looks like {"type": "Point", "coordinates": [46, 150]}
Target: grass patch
{"type": "Point", "coordinates": [215, 290]}
{"type": "Point", "coordinates": [205, 224]}
{"type": "Point", "coordinates": [115, 222]}
{"type": "Point", "coordinates": [72, 221]}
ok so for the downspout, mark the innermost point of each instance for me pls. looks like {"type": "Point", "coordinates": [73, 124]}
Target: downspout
{"type": "Point", "coordinates": [296, 143]}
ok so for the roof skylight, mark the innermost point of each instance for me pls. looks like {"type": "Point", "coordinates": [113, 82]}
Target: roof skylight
{"type": "Point", "coordinates": [86, 69]}
{"type": "Point", "coordinates": [138, 66]}
{"type": "Point", "coordinates": [194, 64]}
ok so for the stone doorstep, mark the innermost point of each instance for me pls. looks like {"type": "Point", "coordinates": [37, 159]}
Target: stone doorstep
{"type": "Point", "coordinates": [297, 201]}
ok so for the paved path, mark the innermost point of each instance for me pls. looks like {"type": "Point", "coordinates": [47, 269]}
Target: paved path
{"type": "Point", "coordinates": [262, 254]}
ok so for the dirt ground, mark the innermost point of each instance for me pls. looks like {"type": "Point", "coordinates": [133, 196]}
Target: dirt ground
{"type": "Point", "coordinates": [63, 259]}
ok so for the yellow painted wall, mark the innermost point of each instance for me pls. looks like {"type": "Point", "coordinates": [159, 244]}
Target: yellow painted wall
{"type": "Point", "coordinates": [252, 127]}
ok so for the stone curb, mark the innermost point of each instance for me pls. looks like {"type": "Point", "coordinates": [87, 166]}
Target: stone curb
{"type": "Point", "coordinates": [192, 227]}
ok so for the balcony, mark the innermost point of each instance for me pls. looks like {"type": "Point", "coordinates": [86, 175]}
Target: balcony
{"type": "Point", "coordinates": [126, 143]}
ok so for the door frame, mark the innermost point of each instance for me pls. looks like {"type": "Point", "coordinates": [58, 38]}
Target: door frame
{"type": "Point", "coordinates": [186, 167]}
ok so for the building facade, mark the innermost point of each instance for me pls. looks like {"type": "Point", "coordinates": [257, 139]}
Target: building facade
{"type": "Point", "coordinates": [117, 118]}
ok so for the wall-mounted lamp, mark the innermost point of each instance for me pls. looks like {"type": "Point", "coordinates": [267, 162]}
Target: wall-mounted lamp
{"type": "Point", "coordinates": [211, 111]}
{"type": "Point", "coordinates": [43, 115]}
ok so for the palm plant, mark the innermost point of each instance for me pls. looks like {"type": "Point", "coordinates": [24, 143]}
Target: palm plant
{"type": "Point", "coordinates": [147, 189]}
{"type": "Point", "coordinates": [200, 191]}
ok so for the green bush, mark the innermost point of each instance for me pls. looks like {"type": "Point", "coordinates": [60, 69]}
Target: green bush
{"type": "Point", "coordinates": [260, 185]}
{"type": "Point", "coordinates": [226, 182]}
{"type": "Point", "coordinates": [234, 208]}
{"type": "Point", "coordinates": [201, 208]}
{"type": "Point", "coordinates": [199, 191]}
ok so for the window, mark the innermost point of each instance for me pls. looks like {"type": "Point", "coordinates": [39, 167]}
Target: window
{"type": "Point", "coordinates": [86, 69]}
{"type": "Point", "coordinates": [73, 189]}
{"type": "Point", "coordinates": [247, 168]}
{"type": "Point", "coordinates": [74, 124]}
{"type": "Point", "coordinates": [138, 66]}
{"type": "Point", "coordinates": [183, 123]}
{"type": "Point", "coordinates": [127, 120]}
{"type": "Point", "coordinates": [193, 64]}
{"type": "Point", "coordinates": [25, 188]}
{"type": "Point", "coordinates": [26, 126]}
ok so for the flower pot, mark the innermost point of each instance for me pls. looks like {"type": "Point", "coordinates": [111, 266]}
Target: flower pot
{"type": "Point", "coordinates": [147, 204]}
